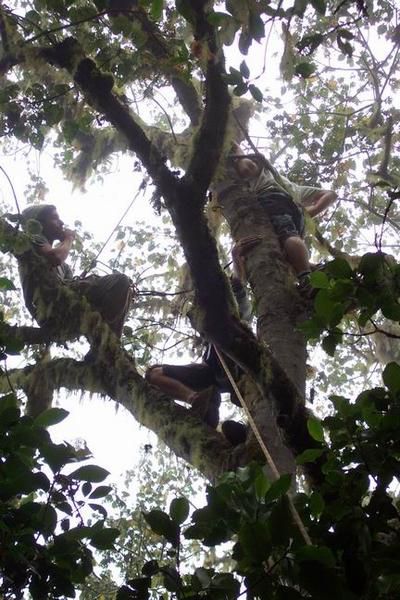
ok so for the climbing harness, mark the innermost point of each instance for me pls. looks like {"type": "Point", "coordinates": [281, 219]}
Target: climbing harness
{"type": "Point", "coordinates": [270, 461]}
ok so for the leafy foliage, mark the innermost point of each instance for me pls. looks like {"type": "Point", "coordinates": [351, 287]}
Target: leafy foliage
{"type": "Point", "coordinates": [46, 543]}
{"type": "Point", "coordinates": [322, 126]}
{"type": "Point", "coordinates": [353, 519]}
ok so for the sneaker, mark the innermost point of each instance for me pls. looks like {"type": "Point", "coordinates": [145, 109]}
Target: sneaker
{"type": "Point", "coordinates": [305, 289]}
{"type": "Point", "coordinates": [205, 405]}
{"type": "Point", "coordinates": [235, 433]}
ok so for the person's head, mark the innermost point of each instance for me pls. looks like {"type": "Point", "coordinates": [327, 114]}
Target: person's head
{"type": "Point", "coordinates": [246, 168]}
{"type": "Point", "coordinates": [47, 215]}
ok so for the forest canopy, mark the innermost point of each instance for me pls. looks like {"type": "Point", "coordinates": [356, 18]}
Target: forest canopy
{"type": "Point", "coordinates": [170, 86]}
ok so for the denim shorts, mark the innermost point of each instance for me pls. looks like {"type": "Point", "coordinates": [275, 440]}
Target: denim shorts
{"type": "Point", "coordinates": [286, 217]}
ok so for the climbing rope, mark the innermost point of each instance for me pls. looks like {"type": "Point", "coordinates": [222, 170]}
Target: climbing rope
{"type": "Point", "coordinates": [94, 260]}
{"type": "Point", "coordinates": [269, 459]}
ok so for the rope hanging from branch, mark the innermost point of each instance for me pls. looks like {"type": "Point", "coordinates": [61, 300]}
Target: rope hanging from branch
{"type": "Point", "coordinates": [269, 459]}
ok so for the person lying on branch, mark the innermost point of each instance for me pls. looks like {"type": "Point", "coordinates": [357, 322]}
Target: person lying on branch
{"type": "Point", "coordinates": [110, 295]}
{"type": "Point", "coordinates": [200, 384]}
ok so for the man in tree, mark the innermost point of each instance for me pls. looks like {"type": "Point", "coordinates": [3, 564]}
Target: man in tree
{"type": "Point", "coordinates": [200, 384]}
{"type": "Point", "coordinates": [110, 294]}
{"type": "Point", "coordinates": [284, 202]}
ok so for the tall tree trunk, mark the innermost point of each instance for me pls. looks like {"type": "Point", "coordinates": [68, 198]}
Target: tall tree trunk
{"type": "Point", "coordinates": [278, 308]}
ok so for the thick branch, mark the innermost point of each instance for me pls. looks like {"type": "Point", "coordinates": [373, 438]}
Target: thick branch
{"type": "Point", "coordinates": [30, 335]}
{"type": "Point", "coordinates": [97, 88]}
{"type": "Point", "coordinates": [209, 141]}
{"type": "Point", "coordinates": [115, 376]}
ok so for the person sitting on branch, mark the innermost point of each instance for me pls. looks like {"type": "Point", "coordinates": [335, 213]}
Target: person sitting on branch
{"type": "Point", "coordinates": [110, 295]}
{"type": "Point", "coordinates": [284, 201]}
{"type": "Point", "coordinates": [200, 384]}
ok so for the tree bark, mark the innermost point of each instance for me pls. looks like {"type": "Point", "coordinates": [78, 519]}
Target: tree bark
{"type": "Point", "coordinates": [279, 310]}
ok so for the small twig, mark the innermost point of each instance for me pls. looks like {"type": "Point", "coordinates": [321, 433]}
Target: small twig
{"type": "Point", "coordinates": [162, 294]}
{"type": "Point", "coordinates": [12, 188]}
{"type": "Point", "coordinates": [166, 115]}
{"type": "Point", "coordinates": [385, 217]}
{"type": "Point", "coordinates": [66, 26]}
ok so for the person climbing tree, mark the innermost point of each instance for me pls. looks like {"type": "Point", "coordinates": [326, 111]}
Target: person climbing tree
{"type": "Point", "coordinates": [110, 295]}
{"type": "Point", "coordinates": [284, 201]}
{"type": "Point", "coordinates": [200, 384]}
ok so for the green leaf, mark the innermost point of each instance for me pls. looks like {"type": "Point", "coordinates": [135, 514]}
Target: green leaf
{"type": "Point", "coordinates": [183, 7]}
{"type": "Point", "coordinates": [330, 342]}
{"type": "Point", "coordinates": [244, 69]}
{"type": "Point", "coordinates": [309, 455]}
{"type": "Point", "coordinates": [345, 33]}
{"type": "Point", "coordinates": [328, 309]}
{"type": "Point", "coordinates": [86, 488]}
{"type": "Point", "coordinates": [319, 554]}
{"type": "Point", "coordinates": [391, 309]}
{"type": "Point", "coordinates": [172, 579]}
{"type": "Point", "coordinates": [319, 280]}
{"type": "Point", "coordinates": [279, 487]}
{"type": "Point", "coordinates": [203, 576]}
{"type": "Point", "coordinates": [140, 586]}
{"type": "Point", "coordinates": [288, 593]}
{"type": "Point", "coordinates": [58, 455]}
{"type": "Point", "coordinates": [391, 377]}
{"type": "Point", "coordinates": [91, 473]}
{"type": "Point", "coordinates": [51, 416]}
{"type": "Point", "coordinates": [305, 69]}
{"type": "Point", "coordinates": [13, 345]}
{"type": "Point", "coordinates": [312, 328]}
{"type": "Point", "coordinates": [300, 7]}
{"type": "Point", "coordinates": [161, 524]}
{"type": "Point", "coordinates": [240, 89]}
{"type": "Point", "coordinates": [150, 568]}
{"type": "Point", "coordinates": [256, 26]}
{"type": "Point", "coordinates": [179, 510]}
{"type": "Point", "coordinates": [256, 93]}
{"type": "Point", "coordinates": [339, 268]}
{"type": "Point", "coordinates": [8, 401]}
{"type": "Point", "coordinates": [9, 415]}
{"type": "Point", "coordinates": [227, 583]}
{"type": "Point", "coordinates": [310, 42]}
{"type": "Point", "coordinates": [99, 508]}
{"type": "Point", "coordinates": [316, 504]}
{"type": "Point", "coordinates": [48, 520]}
{"type": "Point", "coordinates": [261, 486]}
{"type": "Point", "coordinates": [156, 9]}
{"type": "Point", "coordinates": [315, 429]}
{"type": "Point", "coordinates": [319, 6]}
{"type": "Point", "coordinates": [126, 593]}
{"type": "Point", "coordinates": [6, 284]}
{"type": "Point", "coordinates": [236, 76]}
{"type": "Point", "coordinates": [100, 492]}
{"type": "Point", "coordinates": [255, 540]}
{"type": "Point", "coordinates": [104, 538]}
{"type": "Point", "coordinates": [345, 47]}
{"type": "Point", "coordinates": [371, 263]}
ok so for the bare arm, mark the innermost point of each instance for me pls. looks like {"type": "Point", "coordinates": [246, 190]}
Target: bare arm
{"type": "Point", "coordinates": [320, 201]}
{"type": "Point", "coordinates": [57, 255]}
